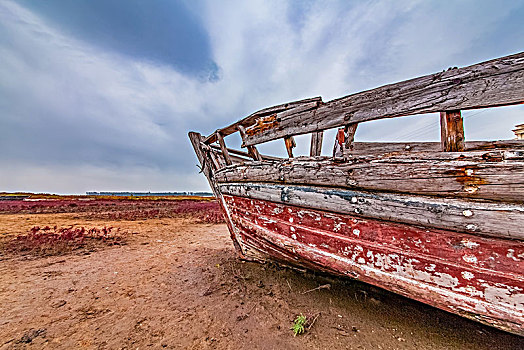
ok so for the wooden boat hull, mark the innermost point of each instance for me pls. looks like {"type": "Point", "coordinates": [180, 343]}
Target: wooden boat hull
{"type": "Point", "coordinates": [477, 277]}
{"type": "Point", "coordinates": [443, 225]}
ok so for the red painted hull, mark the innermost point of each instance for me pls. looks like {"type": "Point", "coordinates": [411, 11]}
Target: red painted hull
{"type": "Point", "coordinates": [477, 277]}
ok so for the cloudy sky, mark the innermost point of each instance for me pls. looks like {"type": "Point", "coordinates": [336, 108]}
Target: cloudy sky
{"type": "Point", "coordinates": [100, 94]}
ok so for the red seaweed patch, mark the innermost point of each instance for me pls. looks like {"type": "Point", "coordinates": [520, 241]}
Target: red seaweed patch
{"type": "Point", "coordinates": [57, 241]}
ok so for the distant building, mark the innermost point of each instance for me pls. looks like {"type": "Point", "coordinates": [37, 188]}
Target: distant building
{"type": "Point", "coordinates": [519, 131]}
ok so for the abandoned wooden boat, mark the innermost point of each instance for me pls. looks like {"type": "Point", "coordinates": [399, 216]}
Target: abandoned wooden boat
{"type": "Point", "coordinates": [442, 223]}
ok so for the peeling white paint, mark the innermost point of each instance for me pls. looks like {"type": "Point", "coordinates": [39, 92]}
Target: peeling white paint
{"type": "Point", "coordinates": [467, 213]}
{"type": "Point", "coordinates": [469, 258]}
{"type": "Point", "coordinates": [467, 275]}
{"type": "Point", "coordinates": [471, 227]}
{"type": "Point", "coordinates": [278, 210]}
{"type": "Point", "coordinates": [492, 299]}
{"type": "Point", "coordinates": [470, 290]}
{"type": "Point", "coordinates": [294, 236]}
{"type": "Point", "coordinates": [430, 268]}
{"type": "Point", "coordinates": [511, 254]}
{"type": "Point", "coordinates": [356, 232]}
{"type": "Point", "coordinates": [471, 188]}
{"type": "Point", "coordinates": [469, 244]}
{"type": "Point", "coordinates": [501, 293]}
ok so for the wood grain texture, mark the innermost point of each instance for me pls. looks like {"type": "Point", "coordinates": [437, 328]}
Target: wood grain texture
{"type": "Point", "coordinates": [493, 175]}
{"type": "Point", "coordinates": [250, 119]}
{"type": "Point", "coordinates": [252, 150]}
{"type": "Point", "coordinates": [374, 148]}
{"type": "Point", "coordinates": [244, 154]}
{"type": "Point", "coordinates": [223, 148]}
{"type": "Point", "coordinates": [451, 131]}
{"type": "Point", "coordinates": [349, 137]}
{"type": "Point", "coordinates": [315, 149]}
{"type": "Point", "coordinates": [490, 219]}
{"type": "Point", "coordinates": [493, 83]}
{"type": "Point", "coordinates": [289, 141]}
{"type": "Point", "coordinates": [204, 160]}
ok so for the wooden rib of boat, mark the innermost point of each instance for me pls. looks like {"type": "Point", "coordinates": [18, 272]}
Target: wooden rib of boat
{"type": "Point", "coordinates": [442, 223]}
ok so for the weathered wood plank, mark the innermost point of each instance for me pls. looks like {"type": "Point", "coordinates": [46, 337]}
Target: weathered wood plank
{"type": "Point", "coordinates": [493, 83]}
{"type": "Point", "coordinates": [339, 144]}
{"type": "Point", "coordinates": [235, 159]}
{"type": "Point", "coordinates": [349, 136]}
{"type": "Point", "coordinates": [245, 154]}
{"type": "Point", "coordinates": [223, 148]}
{"type": "Point", "coordinates": [453, 271]}
{"type": "Point", "coordinates": [367, 148]}
{"type": "Point", "coordinates": [316, 143]}
{"type": "Point", "coordinates": [268, 122]}
{"type": "Point", "coordinates": [252, 150]}
{"type": "Point", "coordinates": [491, 219]}
{"type": "Point", "coordinates": [452, 131]}
{"type": "Point", "coordinates": [218, 162]}
{"type": "Point", "coordinates": [249, 120]}
{"type": "Point", "coordinates": [205, 163]}
{"type": "Point", "coordinates": [493, 175]}
{"type": "Point", "coordinates": [289, 141]}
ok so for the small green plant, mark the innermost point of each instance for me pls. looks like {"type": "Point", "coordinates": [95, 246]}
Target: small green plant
{"type": "Point", "coordinates": [299, 325]}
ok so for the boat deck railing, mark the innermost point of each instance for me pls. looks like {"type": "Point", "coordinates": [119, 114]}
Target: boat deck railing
{"type": "Point", "coordinates": [498, 82]}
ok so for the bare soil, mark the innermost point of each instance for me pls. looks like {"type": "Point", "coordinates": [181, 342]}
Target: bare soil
{"type": "Point", "coordinates": [178, 284]}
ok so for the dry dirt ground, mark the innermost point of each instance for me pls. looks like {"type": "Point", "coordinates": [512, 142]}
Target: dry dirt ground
{"type": "Point", "coordinates": [178, 284]}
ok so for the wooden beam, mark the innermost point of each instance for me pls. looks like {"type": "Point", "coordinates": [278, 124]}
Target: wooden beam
{"type": "Point", "coordinates": [338, 147]}
{"type": "Point", "coordinates": [223, 147]}
{"type": "Point", "coordinates": [250, 119]}
{"type": "Point", "coordinates": [492, 175]}
{"type": "Point", "coordinates": [204, 160]}
{"type": "Point", "coordinates": [498, 82]}
{"type": "Point", "coordinates": [212, 156]}
{"type": "Point", "coordinates": [451, 131]}
{"type": "Point", "coordinates": [290, 144]}
{"type": "Point", "coordinates": [246, 154]}
{"type": "Point", "coordinates": [235, 159]}
{"type": "Point", "coordinates": [373, 148]}
{"type": "Point", "coordinates": [349, 136]}
{"type": "Point", "coordinates": [458, 215]}
{"type": "Point", "coordinates": [316, 143]}
{"type": "Point", "coordinates": [252, 150]}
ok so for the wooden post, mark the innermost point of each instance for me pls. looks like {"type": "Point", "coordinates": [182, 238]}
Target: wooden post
{"type": "Point", "coordinates": [338, 147]}
{"type": "Point", "coordinates": [451, 131]}
{"type": "Point", "coordinates": [316, 143]}
{"type": "Point", "coordinates": [223, 148]}
{"type": "Point", "coordinates": [290, 144]}
{"type": "Point", "coordinates": [349, 137]}
{"type": "Point", "coordinates": [252, 150]}
{"type": "Point", "coordinates": [204, 159]}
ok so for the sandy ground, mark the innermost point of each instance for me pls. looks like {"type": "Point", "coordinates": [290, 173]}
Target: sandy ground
{"type": "Point", "coordinates": [179, 285]}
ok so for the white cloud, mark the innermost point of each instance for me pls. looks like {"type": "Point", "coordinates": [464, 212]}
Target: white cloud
{"type": "Point", "coordinates": [112, 120]}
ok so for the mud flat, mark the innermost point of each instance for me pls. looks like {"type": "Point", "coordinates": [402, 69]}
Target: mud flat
{"type": "Point", "coordinates": [174, 281]}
